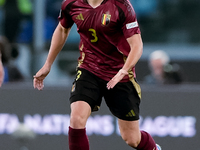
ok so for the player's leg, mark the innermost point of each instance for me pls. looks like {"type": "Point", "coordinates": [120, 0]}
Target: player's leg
{"type": "Point", "coordinates": [85, 98]}
{"type": "Point", "coordinates": [80, 111]}
{"type": "Point", "coordinates": [130, 132]}
{"type": "Point", "coordinates": [135, 138]}
{"type": "Point", "coordinates": [123, 101]}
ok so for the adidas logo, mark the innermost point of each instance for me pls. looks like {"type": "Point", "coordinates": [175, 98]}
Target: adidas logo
{"type": "Point", "coordinates": [131, 113]}
{"type": "Point", "coordinates": [80, 17]}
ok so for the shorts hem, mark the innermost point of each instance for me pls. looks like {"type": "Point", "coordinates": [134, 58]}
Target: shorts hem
{"type": "Point", "coordinates": [84, 98]}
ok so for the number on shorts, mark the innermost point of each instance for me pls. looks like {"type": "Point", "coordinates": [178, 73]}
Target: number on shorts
{"type": "Point", "coordinates": [78, 75]}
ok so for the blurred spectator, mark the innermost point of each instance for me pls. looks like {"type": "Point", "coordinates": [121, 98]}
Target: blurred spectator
{"type": "Point", "coordinates": [12, 19]}
{"type": "Point", "coordinates": [162, 72]}
{"type": "Point", "coordinates": [1, 71]}
{"type": "Point", "coordinates": [15, 11]}
{"type": "Point", "coordinates": [9, 52]}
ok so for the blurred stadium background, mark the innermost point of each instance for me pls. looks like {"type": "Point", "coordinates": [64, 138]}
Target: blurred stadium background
{"type": "Point", "coordinates": [168, 112]}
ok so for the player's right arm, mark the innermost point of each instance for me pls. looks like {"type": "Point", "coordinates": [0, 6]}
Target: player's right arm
{"type": "Point", "coordinates": [58, 40]}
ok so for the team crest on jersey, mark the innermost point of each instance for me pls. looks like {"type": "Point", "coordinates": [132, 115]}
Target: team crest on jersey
{"type": "Point", "coordinates": [105, 19]}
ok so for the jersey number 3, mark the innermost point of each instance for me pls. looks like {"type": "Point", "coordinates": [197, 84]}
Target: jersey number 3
{"type": "Point", "coordinates": [94, 35]}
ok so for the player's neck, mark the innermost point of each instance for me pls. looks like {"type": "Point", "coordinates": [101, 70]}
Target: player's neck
{"type": "Point", "coordinates": [94, 3]}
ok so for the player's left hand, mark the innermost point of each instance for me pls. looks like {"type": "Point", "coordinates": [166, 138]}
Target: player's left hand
{"type": "Point", "coordinates": [118, 77]}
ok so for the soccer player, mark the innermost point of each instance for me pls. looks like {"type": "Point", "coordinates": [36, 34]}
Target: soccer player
{"type": "Point", "coordinates": [110, 47]}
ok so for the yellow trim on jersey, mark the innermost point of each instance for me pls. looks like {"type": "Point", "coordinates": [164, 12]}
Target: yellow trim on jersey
{"type": "Point", "coordinates": [82, 57]}
{"type": "Point", "coordinates": [132, 79]}
{"type": "Point", "coordinates": [81, 48]}
{"type": "Point", "coordinates": [135, 84]}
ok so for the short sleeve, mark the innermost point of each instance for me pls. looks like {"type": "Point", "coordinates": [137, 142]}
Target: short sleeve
{"type": "Point", "coordinates": [65, 18]}
{"type": "Point", "coordinates": [130, 25]}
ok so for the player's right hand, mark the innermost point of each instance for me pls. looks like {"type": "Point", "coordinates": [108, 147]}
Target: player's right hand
{"type": "Point", "coordinates": [38, 81]}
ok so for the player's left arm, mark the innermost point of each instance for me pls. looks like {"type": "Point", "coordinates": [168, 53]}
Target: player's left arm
{"type": "Point", "coordinates": [136, 49]}
{"type": "Point", "coordinates": [135, 53]}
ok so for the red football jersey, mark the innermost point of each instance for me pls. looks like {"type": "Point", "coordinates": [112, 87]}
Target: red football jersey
{"type": "Point", "coordinates": [103, 31]}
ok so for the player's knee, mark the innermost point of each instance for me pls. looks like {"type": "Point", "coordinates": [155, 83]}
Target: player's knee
{"type": "Point", "coordinates": [77, 121]}
{"type": "Point", "coordinates": [131, 141]}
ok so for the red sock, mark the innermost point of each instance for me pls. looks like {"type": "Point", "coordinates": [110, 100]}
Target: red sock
{"type": "Point", "coordinates": [147, 142]}
{"type": "Point", "coordinates": [78, 139]}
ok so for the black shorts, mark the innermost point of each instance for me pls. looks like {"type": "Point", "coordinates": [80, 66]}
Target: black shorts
{"type": "Point", "coordinates": [123, 100]}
